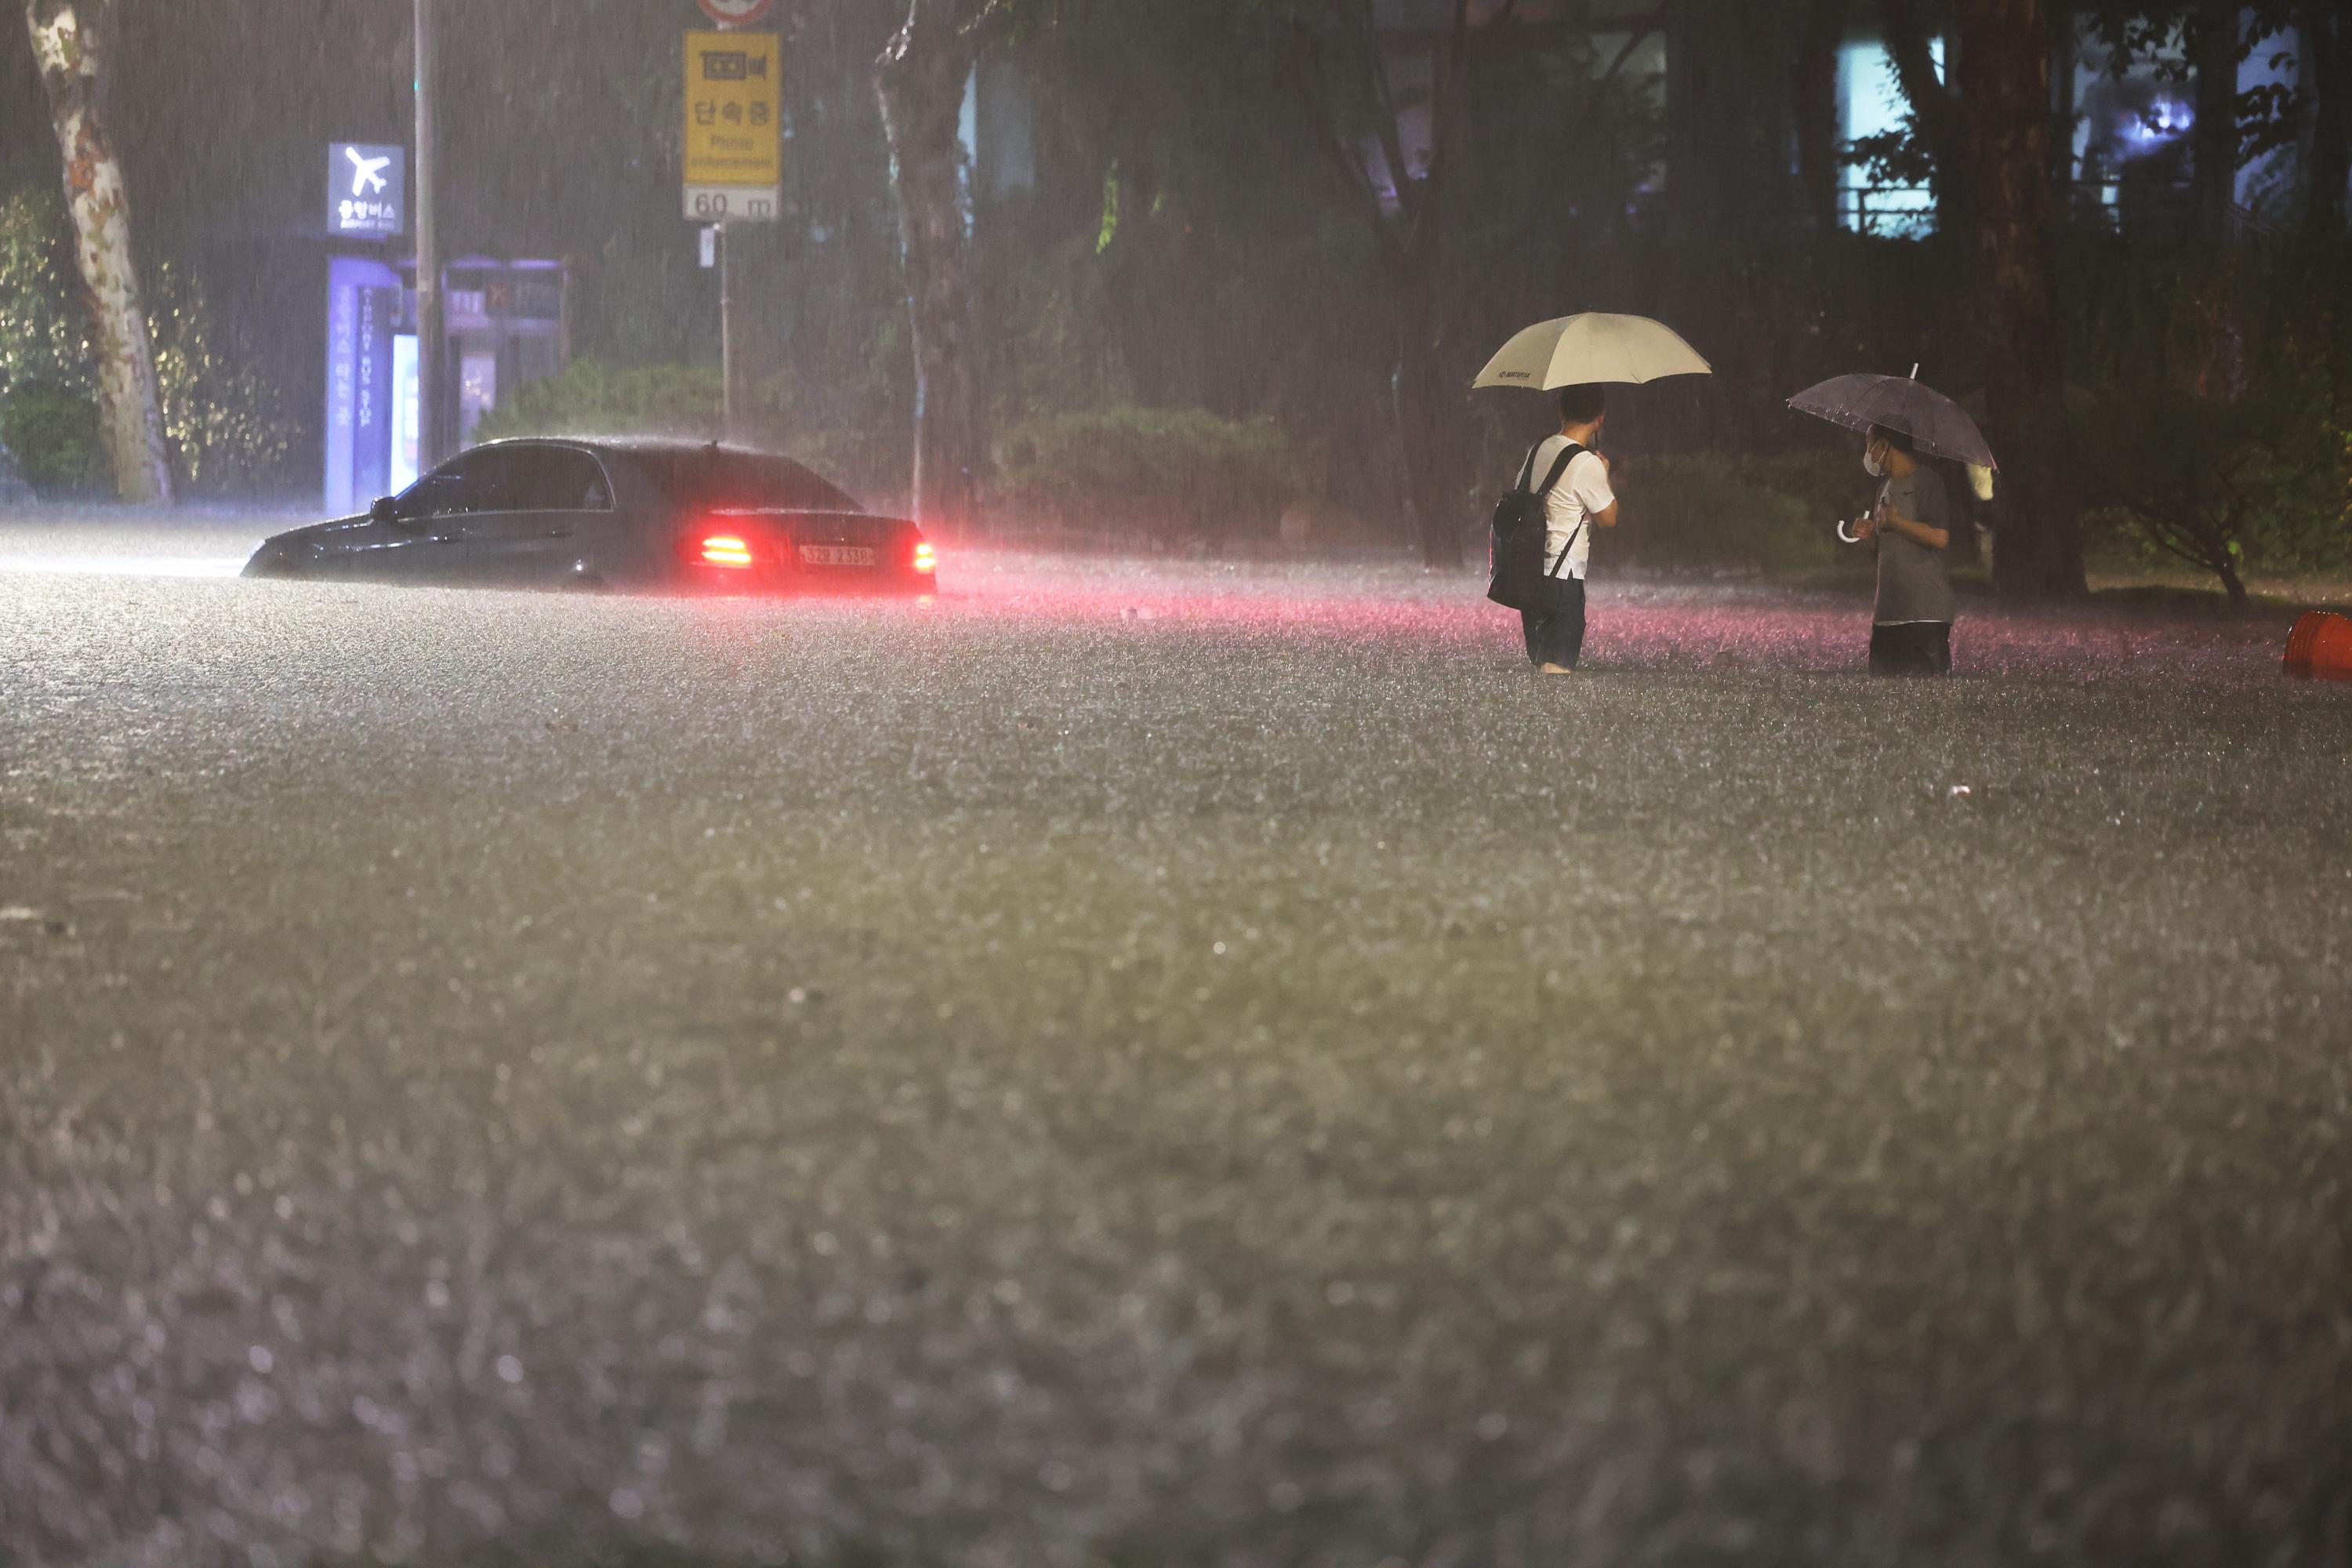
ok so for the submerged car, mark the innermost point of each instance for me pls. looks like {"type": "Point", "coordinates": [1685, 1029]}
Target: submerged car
{"type": "Point", "coordinates": [614, 514]}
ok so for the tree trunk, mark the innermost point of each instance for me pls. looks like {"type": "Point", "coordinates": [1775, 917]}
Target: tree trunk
{"type": "Point", "coordinates": [1943, 118]}
{"type": "Point", "coordinates": [920, 81]}
{"type": "Point", "coordinates": [2328, 38]}
{"type": "Point", "coordinates": [67, 47]}
{"type": "Point", "coordinates": [1814, 98]}
{"type": "Point", "coordinates": [1730, 127]}
{"type": "Point", "coordinates": [1423, 429]}
{"type": "Point", "coordinates": [1426, 420]}
{"type": "Point", "coordinates": [2214, 47]}
{"type": "Point", "coordinates": [2233, 585]}
{"type": "Point", "coordinates": [2004, 87]}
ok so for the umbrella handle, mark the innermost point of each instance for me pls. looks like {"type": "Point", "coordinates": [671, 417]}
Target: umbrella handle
{"type": "Point", "coordinates": [1844, 536]}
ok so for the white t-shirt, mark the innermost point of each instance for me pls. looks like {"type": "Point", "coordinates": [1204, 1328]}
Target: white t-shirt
{"type": "Point", "coordinates": [1582, 491]}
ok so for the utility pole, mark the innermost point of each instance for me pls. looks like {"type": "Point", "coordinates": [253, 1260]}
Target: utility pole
{"type": "Point", "coordinates": [432, 342]}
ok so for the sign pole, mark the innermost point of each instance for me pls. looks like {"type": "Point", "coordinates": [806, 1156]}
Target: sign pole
{"type": "Point", "coordinates": [734, 157]}
{"type": "Point", "coordinates": [432, 342]}
{"type": "Point", "coordinates": [726, 334]}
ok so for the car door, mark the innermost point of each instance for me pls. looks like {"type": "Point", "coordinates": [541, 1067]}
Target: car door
{"type": "Point", "coordinates": [556, 508]}
{"type": "Point", "coordinates": [416, 536]}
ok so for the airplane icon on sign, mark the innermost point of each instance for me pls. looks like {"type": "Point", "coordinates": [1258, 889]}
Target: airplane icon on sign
{"type": "Point", "coordinates": [367, 174]}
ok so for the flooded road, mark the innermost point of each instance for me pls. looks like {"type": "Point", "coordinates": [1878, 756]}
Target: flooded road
{"type": "Point", "coordinates": [1158, 1064]}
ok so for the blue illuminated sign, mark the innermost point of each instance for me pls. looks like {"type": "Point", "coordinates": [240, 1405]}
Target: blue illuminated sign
{"type": "Point", "coordinates": [367, 191]}
{"type": "Point", "coordinates": [364, 308]}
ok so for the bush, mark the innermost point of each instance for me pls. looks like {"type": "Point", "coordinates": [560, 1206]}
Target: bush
{"type": "Point", "coordinates": [49, 410]}
{"type": "Point", "coordinates": [593, 398]}
{"type": "Point", "coordinates": [1174, 475]}
{"type": "Point", "coordinates": [1680, 513]}
{"type": "Point", "coordinates": [53, 431]}
{"type": "Point", "coordinates": [2222, 487]}
{"type": "Point", "coordinates": [226, 423]}
{"type": "Point", "coordinates": [2218, 429]}
{"type": "Point", "coordinates": [41, 327]}
{"type": "Point", "coordinates": [1829, 480]}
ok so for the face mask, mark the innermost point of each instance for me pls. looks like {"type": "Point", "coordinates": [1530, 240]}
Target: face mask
{"type": "Point", "coordinates": [1871, 465]}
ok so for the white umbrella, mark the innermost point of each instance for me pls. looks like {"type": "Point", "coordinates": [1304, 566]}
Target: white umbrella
{"type": "Point", "coordinates": [1592, 347]}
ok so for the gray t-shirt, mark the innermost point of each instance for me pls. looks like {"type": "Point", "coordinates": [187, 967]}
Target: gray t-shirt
{"type": "Point", "coordinates": [1913, 582]}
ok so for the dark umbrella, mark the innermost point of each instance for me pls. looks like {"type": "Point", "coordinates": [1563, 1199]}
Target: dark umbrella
{"type": "Point", "coordinates": [1934, 423]}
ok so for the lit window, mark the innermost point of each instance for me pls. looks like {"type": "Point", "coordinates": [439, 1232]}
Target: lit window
{"type": "Point", "coordinates": [1870, 103]}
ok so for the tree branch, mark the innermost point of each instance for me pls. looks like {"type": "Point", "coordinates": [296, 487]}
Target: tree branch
{"type": "Point", "coordinates": [1934, 104]}
{"type": "Point", "coordinates": [1445, 92]}
{"type": "Point", "coordinates": [1374, 72]}
{"type": "Point", "coordinates": [1329, 135]}
{"type": "Point", "coordinates": [1511, 244]}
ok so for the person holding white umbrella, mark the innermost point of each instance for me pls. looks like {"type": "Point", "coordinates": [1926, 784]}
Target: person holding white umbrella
{"type": "Point", "coordinates": [1573, 355]}
{"type": "Point", "coordinates": [1578, 500]}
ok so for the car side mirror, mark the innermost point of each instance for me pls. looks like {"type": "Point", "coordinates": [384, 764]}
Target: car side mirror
{"type": "Point", "coordinates": [383, 512]}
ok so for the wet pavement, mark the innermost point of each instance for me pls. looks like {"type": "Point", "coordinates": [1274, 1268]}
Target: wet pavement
{"type": "Point", "coordinates": [1158, 1065]}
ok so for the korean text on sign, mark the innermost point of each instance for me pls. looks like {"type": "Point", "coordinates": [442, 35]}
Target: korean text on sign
{"type": "Point", "coordinates": [732, 102]}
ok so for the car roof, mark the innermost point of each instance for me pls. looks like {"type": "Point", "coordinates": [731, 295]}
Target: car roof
{"type": "Point", "coordinates": [647, 446]}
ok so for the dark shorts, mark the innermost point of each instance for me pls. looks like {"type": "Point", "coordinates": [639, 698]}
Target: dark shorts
{"type": "Point", "coordinates": [1555, 630]}
{"type": "Point", "coordinates": [1915, 648]}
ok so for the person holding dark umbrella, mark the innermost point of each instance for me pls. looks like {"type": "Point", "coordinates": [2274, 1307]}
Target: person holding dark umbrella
{"type": "Point", "coordinates": [1911, 623]}
{"type": "Point", "coordinates": [1915, 519]}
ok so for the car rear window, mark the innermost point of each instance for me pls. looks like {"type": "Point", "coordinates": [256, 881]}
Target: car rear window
{"type": "Point", "coordinates": [722, 481]}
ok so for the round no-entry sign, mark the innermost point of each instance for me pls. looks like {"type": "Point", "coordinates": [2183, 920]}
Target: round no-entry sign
{"type": "Point", "coordinates": [735, 13]}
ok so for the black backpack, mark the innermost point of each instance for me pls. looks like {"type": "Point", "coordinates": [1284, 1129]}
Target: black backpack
{"type": "Point", "coordinates": [1515, 573]}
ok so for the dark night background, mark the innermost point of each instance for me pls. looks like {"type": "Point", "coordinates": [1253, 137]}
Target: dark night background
{"type": "Point", "coordinates": [1170, 211]}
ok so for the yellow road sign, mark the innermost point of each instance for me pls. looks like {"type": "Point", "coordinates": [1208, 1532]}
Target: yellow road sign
{"type": "Point", "coordinates": [733, 99]}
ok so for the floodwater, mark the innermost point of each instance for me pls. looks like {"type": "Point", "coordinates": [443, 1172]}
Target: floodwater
{"type": "Point", "coordinates": [1158, 1064]}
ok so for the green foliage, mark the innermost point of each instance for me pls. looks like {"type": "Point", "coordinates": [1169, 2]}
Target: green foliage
{"type": "Point", "coordinates": [225, 423]}
{"type": "Point", "coordinates": [2217, 428]}
{"type": "Point", "coordinates": [1176, 475]}
{"type": "Point", "coordinates": [1829, 480]}
{"type": "Point", "coordinates": [593, 398]}
{"type": "Point", "coordinates": [1709, 513]}
{"type": "Point", "coordinates": [48, 414]}
{"type": "Point", "coordinates": [2222, 487]}
{"type": "Point", "coordinates": [41, 333]}
{"type": "Point", "coordinates": [2167, 465]}
{"type": "Point", "coordinates": [1193, 242]}
{"type": "Point", "coordinates": [52, 430]}
{"type": "Point", "coordinates": [2297, 479]}
{"type": "Point", "coordinates": [2166, 36]}
{"type": "Point", "coordinates": [1891, 160]}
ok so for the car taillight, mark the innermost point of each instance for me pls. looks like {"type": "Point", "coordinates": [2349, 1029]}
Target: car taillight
{"type": "Point", "coordinates": [926, 558]}
{"type": "Point", "coordinates": [725, 550]}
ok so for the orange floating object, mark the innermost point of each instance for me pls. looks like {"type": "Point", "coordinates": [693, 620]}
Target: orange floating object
{"type": "Point", "coordinates": [2321, 644]}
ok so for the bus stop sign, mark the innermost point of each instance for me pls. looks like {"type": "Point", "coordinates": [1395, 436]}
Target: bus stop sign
{"type": "Point", "coordinates": [367, 191]}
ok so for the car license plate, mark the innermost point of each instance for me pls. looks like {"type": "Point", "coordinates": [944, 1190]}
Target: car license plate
{"type": "Point", "coordinates": [836, 556]}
